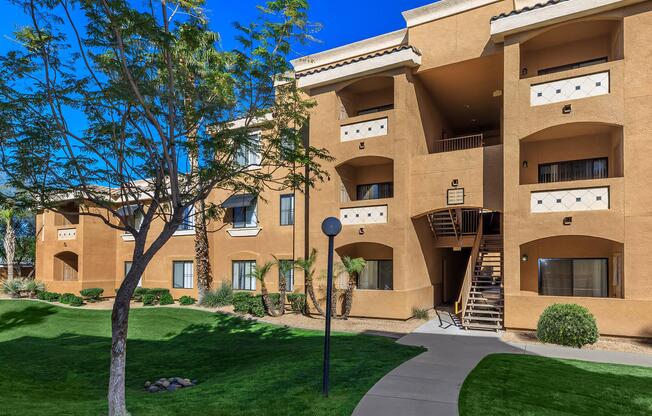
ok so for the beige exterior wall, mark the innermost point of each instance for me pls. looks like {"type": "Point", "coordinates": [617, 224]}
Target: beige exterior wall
{"type": "Point", "coordinates": [500, 177]}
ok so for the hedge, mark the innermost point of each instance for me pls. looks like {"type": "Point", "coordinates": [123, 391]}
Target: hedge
{"type": "Point", "coordinates": [297, 301]}
{"type": "Point", "coordinates": [186, 300]}
{"type": "Point", "coordinates": [92, 294]}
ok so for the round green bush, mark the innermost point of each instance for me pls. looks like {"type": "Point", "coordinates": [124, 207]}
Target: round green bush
{"type": "Point", "coordinates": [186, 300]}
{"type": "Point", "coordinates": [567, 324]}
{"type": "Point", "coordinates": [166, 299]}
{"type": "Point", "coordinates": [92, 294]}
{"type": "Point", "coordinates": [76, 301]}
{"type": "Point", "coordinates": [149, 299]}
{"type": "Point", "coordinates": [67, 298]}
{"type": "Point", "coordinates": [257, 306]}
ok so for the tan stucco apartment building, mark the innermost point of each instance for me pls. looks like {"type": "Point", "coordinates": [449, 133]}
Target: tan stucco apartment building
{"type": "Point", "coordinates": [493, 156]}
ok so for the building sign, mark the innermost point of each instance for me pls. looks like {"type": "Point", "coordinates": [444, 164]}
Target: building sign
{"type": "Point", "coordinates": [455, 196]}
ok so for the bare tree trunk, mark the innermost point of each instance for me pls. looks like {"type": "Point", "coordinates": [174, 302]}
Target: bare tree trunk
{"type": "Point", "coordinates": [119, 321]}
{"type": "Point", "coordinates": [313, 297]}
{"type": "Point", "coordinates": [204, 272]}
{"type": "Point", "coordinates": [10, 247]}
{"type": "Point", "coordinates": [266, 301]}
{"type": "Point", "coordinates": [282, 290]}
{"type": "Point", "coordinates": [348, 297]}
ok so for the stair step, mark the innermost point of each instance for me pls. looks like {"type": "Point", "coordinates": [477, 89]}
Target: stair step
{"type": "Point", "coordinates": [484, 306]}
{"type": "Point", "coordinates": [482, 318]}
{"type": "Point", "coordinates": [483, 327]}
{"type": "Point", "coordinates": [482, 312]}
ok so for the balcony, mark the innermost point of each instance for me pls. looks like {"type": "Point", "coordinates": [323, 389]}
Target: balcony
{"type": "Point", "coordinates": [66, 234]}
{"type": "Point", "coordinates": [575, 88]}
{"type": "Point", "coordinates": [363, 215]}
{"type": "Point", "coordinates": [459, 143]}
{"type": "Point", "coordinates": [366, 129]}
{"type": "Point", "coordinates": [570, 200]}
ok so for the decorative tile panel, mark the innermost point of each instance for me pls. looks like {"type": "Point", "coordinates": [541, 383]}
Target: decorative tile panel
{"type": "Point", "coordinates": [570, 89]}
{"type": "Point", "coordinates": [587, 199]}
{"type": "Point", "coordinates": [67, 234]}
{"type": "Point", "coordinates": [364, 130]}
{"type": "Point", "coordinates": [364, 215]}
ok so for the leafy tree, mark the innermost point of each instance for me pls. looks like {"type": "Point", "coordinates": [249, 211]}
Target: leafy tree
{"type": "Point", "coordinates": [103, 105]}
{"type": "Point", "coordinates": [352, 267]}
{"type": "Point", "coordinates": [307, 265]}
{"type": "Point", "coordinates": [19, 223]}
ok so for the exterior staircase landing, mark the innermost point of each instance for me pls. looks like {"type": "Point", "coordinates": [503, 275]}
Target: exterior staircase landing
{"type": "Point", "coordinates": [484, 309]}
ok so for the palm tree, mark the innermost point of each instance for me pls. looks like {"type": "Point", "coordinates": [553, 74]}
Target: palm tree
{"type": "Point", "coordinates": [307, 265]}
{"type": "Point", "coordinates": [353, 267]}
{"type": "Point", "coordinates": [260, 273]}
{"type": "Point", "coordinates": [283, 269]}
{"type": "Point", "coordinates": [7, 216]}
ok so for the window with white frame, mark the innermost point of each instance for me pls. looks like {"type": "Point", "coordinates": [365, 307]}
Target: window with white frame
{"type": "Point", "coordinates": [287, 209]}
{"type": "Point", "coordinates": [245, 216]}
{"type": "Point", "coordinates": [188, 219]}
{"type": "Point", "coordinates": [288, 266]}
{"type": "Point", "coordinates": [243, 275]}
{"type": "Point", "coordinates": [248, 154]}
{"type": "Point", "coordinates": [182, 275]}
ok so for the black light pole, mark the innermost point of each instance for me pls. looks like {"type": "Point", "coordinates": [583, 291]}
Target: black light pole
{"type": "Point", "coordinates": [331, 227]}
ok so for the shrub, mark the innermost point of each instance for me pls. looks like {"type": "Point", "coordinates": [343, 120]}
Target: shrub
{"type": "Point", "coordinates": [166, 299]}
{"type": "Point", "coordinates": [221, 296]}
{"type": "Point", "coordinates": [139, 293]}
{"type": "Point", "coordinates": [33, 287]}
{"type": "Point", "coordinates": [275, 300]}
{"type": "Point", "coordinates": [149, 299]}
{"type": "Point", "coordinates": [257, 307]}
{"type": "Point", "coordinates": [158, 292]}
{"type": "Point", "coordinates": [567, 324]}
{"type": "Point", "coordinates": [242, 302]}
{"type": "Point", "coordinates": [49, 296]}
{"type": "Point", "coordinates": [76, 301]}
{"type": "Point", "coordinates": [420, 313]}
{"type": "Point", "coordinates": [13, 287]}
{"type": "Point", "coordinates": [187, 300]}
{"type": "Point", "coordinates": [297, 301]}
{"type": "Point", "coordinates": [92, 294]}
{"type": "Point", "coordinates": [67, 298]}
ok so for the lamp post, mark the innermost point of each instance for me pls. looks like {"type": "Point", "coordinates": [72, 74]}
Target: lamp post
{"type": "Point", "coordinates": [331, 227]}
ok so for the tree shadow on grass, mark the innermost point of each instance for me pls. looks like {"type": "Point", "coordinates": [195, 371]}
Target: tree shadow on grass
{"type": "Point", "coordinates": [31, 315]}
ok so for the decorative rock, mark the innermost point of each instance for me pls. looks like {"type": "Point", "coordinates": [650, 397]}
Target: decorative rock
{"type": "Point", "coordinates": [173, 387]}
{"type": "Point", "coordinates": [147, 384]}
{"type": "Point", "coordinates": [152, 389]}
{"type": "Point", "coordinates": [165, 384]}
{"type": "Point", "coordinates": [184, 382]}
{"type": "Point", "coordinates": [170, 384]}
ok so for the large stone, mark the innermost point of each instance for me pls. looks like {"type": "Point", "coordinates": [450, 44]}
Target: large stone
{"type": "Point", "coordinates": [184, 382]}
{"type": "Point", "coordinates": [152, 389]}
{"type": "Point", "coordinates": [165, 384]}
{"type": "Point", "coordinates": [147, 384]}
{"type": "Point", "coordinates": [173, 387]}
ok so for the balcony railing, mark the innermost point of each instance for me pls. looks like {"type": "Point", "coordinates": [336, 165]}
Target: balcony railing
{"type": "Point", "coordinates": [570, 89]}
{"type": "Point", "coordinates": [459, 143]}
{"type": "Point", "coordinates": [364, 215]}
{"type": "Point", "coordinates": [364, 130]}
{"type": "Point", "coordinates": [66, 234]}
{"type": "Point", "coordinates": [569, 200]}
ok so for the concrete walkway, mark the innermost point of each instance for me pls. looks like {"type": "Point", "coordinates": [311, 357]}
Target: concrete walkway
{"type": "Point", "coordinates": [429, 384]}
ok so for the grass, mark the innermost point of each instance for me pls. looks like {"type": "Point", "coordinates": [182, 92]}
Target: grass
{"type": "Point", "coordinates": [525, 385]}
{"type": "Point", "coordinates": [55, 361]}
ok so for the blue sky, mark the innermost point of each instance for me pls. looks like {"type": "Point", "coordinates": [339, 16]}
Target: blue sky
{"type": "Point", "coordinates": [344, 21]}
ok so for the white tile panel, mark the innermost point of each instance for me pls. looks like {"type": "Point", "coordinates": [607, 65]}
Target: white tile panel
{"type": "Point", "coordinates": [67, 234]}
{"type": "Point", "coordinates": [364, 130]}
{"type": "Point", "coordinates": [364, 215]}
{"type": "Point", "coordinates": [570, 89]}
{"type": "Point", "coordinates": [569, 200]}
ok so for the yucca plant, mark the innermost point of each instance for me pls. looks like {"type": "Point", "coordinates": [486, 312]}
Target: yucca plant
{"type": "Point", "coordinates": [12, 287]}
{"type": "Point", "coordinates": [260, 273]}
{"type": "Point", "coordinates": [352, 267]}
{"type": "Point", "coordinates": [284, 268]}
{"type": "Point", "coordinates": [33, 287]}
{"type": "Point", "coordinates": [307, 265]}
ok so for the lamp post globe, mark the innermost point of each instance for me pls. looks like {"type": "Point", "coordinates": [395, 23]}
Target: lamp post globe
{"type": "Point", "coordinates": [331, 226]}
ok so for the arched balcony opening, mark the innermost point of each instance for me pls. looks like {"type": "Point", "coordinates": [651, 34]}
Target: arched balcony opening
{"type": "Point", "coordinates": [366, 96]}
{"type": "Point", "coordinates": [66, 267]}
{"type": "Point", "coordinates": [366, 178]}
{"type": "Point", "coordinates": [379, 271]}
{"type": "Point", "coordinates": [572, 266]}
{"type": "Point", "coordinates": [571, 46]}
{"type": "Point", "coordinates": [572, 152]}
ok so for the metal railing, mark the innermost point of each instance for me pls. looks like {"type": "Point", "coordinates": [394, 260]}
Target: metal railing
{"type": "Point", "coordinates": [459, 143]}
{"type": "Point", "coordinates": [463, 298]}
{"type": "Point", "coordinates": [470, 221]}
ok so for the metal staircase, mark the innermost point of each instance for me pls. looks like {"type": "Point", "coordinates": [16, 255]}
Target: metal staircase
{"type": "Point", "coordinates": [484, 305]}
{"type": "Point", "coordinates": [444, 223]}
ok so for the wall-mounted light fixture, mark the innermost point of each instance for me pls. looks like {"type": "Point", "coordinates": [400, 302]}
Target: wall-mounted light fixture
{"type": "Point", "coordinates": [361, 146]}
{"type": "Point", "coordinates": [524, 71]}
{"type": "Point", "coordinates": [567, 109]}
{"type": "Point", "coordinates": [568, 220]}
{"type": "Point", "coordinates": [525, 164]}
{"type": "Point", "coordinates": [524, 258]}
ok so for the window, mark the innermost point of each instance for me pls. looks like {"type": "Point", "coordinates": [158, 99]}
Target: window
{"type": "Point", "coordinates": [287, 209]}
{"type": "Point", "coordinates": [573, 66]}
{"type": "Point", "coordinates": [188, 219]}
{"type": "Point", "coordinates": [135, 220]}
{"type": "Point", "coordinates": [243, 278]}
{"type": "Point", "coordinates": [288, 145]}
{"type": "Point", "coordinates": [245, 217]}
{"type": "Point", "coordinates": [375, 191]}
{"type": "Point", "coordinates": [377, 275]}
{"type": "Point", "coordinates": [249, 154]}
{"type": "Point", "coordinates": [289, 274]}
{"type": "Point", "coordinates": [378, 109]}
{"type": "Point", "coordinates": [574, 277]}
{"type": "Point", "coordinates": [128, 268]}
{"type": "Point", "coordinates": [182, 275]}
{"type": "Point", "coordinates": [574, 170]}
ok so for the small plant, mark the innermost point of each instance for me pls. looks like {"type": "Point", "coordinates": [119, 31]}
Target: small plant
{"type": "Point", "coordinates": [567, 324]}
{"type": "Point", "coordinates": [419, 313]}
{"type": "Point", "coordinates": [221, 296]}
{"type": "Point", "coordinates": [33, 287]}
{"type": "Point", "coordinates": [158, 292]}
{"type": "Point", "coordinates": [12, 287]}
{"type": "Point", "coordinates": [92, 294]}
{"type": "Point", "coordinates": [76, 301]}
{"type": "Point", "coordinates": [49, 296]}
{"type": "Point", "coordinates": [242, 302]}
{"type": "Point", "coordinates": [186, 300]}
{"type": "Point", "coordinates": [297, 302]}
{"type": "Point", "coordinates": [166, 299]}
{"type": "Point", "coordinates": [139, 293]}
{"type": "Point", "coordinates": [149, 299]}
{"type": "Point", "coordinates": [257, 306]}
{"type": "Point", "coordinates": [67, 298]}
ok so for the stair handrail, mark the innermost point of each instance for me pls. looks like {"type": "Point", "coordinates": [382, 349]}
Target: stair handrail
{"type": "Point", "coordinates": [463, 297]}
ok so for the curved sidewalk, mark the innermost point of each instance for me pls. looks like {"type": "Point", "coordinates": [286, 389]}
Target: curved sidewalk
{"type": "Point", "coordinates": [429, 384]}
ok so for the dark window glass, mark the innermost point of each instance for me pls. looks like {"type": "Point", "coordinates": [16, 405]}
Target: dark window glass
{"type": "Point", "coordinates": [287, 209]}
{"type": "Point", "coordinates": [243, 278]}
{"type": "Point", "coordinates": [574, 170]}
{"type": "Point", "coordinates": [375, 191]}
{"type": "Point", "coordinates": [245, 217]}
{"type": "Point", "coordinates": [182, 275]}
{"type": "Point", "coordinates": [377, 275]}
{"type": "Point", "coordinates": [574, 277]}
{"type": "Point", "coordinates": [574, 65]}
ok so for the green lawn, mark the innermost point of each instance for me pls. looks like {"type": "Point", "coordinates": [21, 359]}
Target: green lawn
{"type": "Point", "coordinates": [524, 385]}
{"type": "Point", "coordinates": [55, 361]}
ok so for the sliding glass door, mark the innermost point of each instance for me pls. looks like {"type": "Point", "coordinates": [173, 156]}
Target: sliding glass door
{"type": "Point", "coordinates": [574, 277]}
